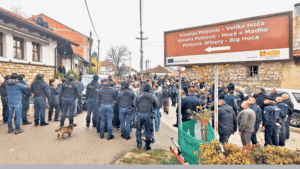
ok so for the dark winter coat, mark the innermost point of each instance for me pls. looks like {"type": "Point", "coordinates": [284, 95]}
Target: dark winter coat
{"type": "Point", "coordinates": [190, 102]}
{"type": "Point", "coordinates": [62, 70]}
{"type": "Point", "coordinates": [227, 120]}
{"type": "Point", "coordinates": [54, 95]}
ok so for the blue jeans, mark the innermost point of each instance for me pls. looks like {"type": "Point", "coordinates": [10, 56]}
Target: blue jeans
{"type": "Point", "coordinates": [92, 107]}
{"type": "Point", "coordinates": [67, 103]}
{"type": "Point", "coordinates": [272, 135]}
{"type": "Point", "coordinates": [107, 115]}
{"type": "Point", "coordinates": [147, 121]}
{"type": "Point", "coordinates": [5, 110]}
{"type": "Point", "coordinates": [125, 116]}
{"type": "Point", "coordinates": [18, 111]}
{"type": "Point", "coordinates": [157, 118]}
{"type": "Point", "coordinates": [39, 109]}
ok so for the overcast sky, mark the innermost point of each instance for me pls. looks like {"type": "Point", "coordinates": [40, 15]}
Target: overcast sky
{"type": "Point", "coordinates": [117, 22]}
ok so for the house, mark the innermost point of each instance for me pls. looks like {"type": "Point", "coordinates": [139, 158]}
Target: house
{"type": "Point", "coordinates": [159, 71]}
{"type": "Point", "coordinates": [74, 58]}
{"type": "Point", "coordinates": [27, 47]}
{"type": "Point", "coordinates": [107, 68]}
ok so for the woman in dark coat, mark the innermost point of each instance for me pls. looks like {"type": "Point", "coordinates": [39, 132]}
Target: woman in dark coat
{"type": "Point", "coordinates": [54, 102]}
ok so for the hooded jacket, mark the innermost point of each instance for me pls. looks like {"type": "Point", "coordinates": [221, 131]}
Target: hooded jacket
{"type": "Point", "coordinates": [14, 94]}
{"type": "Point", "coordinates": [227, 120]}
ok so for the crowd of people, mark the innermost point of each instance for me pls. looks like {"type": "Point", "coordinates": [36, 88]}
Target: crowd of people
{"type": "Point", "coordinates": [136, 103]}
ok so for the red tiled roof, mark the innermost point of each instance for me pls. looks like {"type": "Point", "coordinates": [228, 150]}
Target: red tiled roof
{"type": "Point", "coordinates": [108, 64]}
{"type": "Point", "coordinates": [157, 69]}
{"type": "Point", "coordinates": [28, 20]}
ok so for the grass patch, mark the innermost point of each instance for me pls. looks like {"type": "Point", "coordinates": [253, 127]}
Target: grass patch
{"type": "Point", "coordinates": [151, 157]}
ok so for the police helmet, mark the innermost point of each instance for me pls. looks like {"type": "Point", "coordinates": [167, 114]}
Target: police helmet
{"type": "Point", "coordinates": [70, 77]}
{"type": "Point", "coordinates": [40, 75]}
{"type": "Point", "coordinates": [14, 76]}
{"type": "Point", "coordinates": [64, 80]}
{"type": "Point", "coordinates": [95, 77]}
{"type": "Point", "coordinates": [7, 77]}
{"type": "Point", "coordinates": [125, 85]}
{"type": "Point", "coordinates": [147, 87]}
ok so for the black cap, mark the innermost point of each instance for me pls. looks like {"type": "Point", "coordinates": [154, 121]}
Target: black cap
{"type": "Point", "coordinates": [125, 85]}
{"type": "Point", "coordinates": [104, 80]}
{"type": "Point", "coordinates": [40, 75]}
{"type": "Point", "coordinates": [14, 76]}
{"type": "Point", "coordinates": [95, 77]}
{"type": "Point", "coordinates": [147, 87]}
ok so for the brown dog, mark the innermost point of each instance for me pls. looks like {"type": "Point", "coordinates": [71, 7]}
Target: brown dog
{"type": "Point", "coordinates": [61, 131]}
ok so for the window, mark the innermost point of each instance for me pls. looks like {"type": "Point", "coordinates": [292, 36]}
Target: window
{"type": "Point", "coordinates": [297, 97]}
{"type": "Point", "coordinates": [18, 48]}
{"type": "Point", "coordinates": [1, 44]}
{"type": "Point", "coordinates": [252, 71]}
{"type": "Point", "coordinates": [35, 51]}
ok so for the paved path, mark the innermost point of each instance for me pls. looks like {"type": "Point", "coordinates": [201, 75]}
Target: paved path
{"type": "Point", "coordinates": [40, 145]}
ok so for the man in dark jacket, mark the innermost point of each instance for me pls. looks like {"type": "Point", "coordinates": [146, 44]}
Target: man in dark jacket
{"type": "Point", "coordinates": [190, 102]}
{"type": "Point", "coordinates": [227, 121]}
{"type": "Point", "coordinates": [92, 105]}
{"type": "Point", "coordinates": [239, 95]}
{"type": "Point", "coordinates": [271, 123]}
{"type": "Point", "coordinates": [69, 93]}
{"type": "Point", "coordinates": [230, 86]}
{"type": "Point", "coordinates": [62, 69]}
{"type": "Point", "coordinates": [25, 102]}
{"type": "Point", "coordinates": [54, 104]}
{"type": "Point", "coordinates": [159, 97]}
{"type": "Point", "coordinates": [231, 101]}
{"type": "Point", "coordinates": [174, 92]}
{"type": "Point", "coordinates": [283, 119]}
{"type": "Point", "coordinates": [41, 90]}
{"type": "Point", "coordinates": [260, 98]}
{"type": "Point", "coordinates": [79, 102]}
{"type": "Point", "coordinates": [286, 100]}
{"type": "Point", "coordinates": [145, 104]}
{"type": "Point", "coordinates": [106, 96]}
{"type": "Point", "coordinates": [185, 85]}
{"type": "Point", "coordinates": [273, 94]}
{"type": "Point", "coordinates": [125, 101]}
{"type": "Point", "coordinates": [14, 96]}
{"type": "Point", "coordinates": [4, 99]}
{"type": "Point", "coordinates": [246, 120]}
{"type": "Point", "coordinates": [258, 114]}
{"type": "Point", "coordinates": [223, 93]}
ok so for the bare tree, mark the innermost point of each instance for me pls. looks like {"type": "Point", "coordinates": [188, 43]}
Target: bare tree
{"type": "Point", "coordinates": [118, 56]}
{"type": "Point", "coordinates": [18, 10]}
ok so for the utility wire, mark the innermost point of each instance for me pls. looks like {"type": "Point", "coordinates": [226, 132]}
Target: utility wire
{"type": "Point", "coordinates": [91, 18]}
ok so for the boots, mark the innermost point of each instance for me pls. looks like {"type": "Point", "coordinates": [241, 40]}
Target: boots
{"type": "Point", "coordinates": [110, 137]}
{"type": "Point", "coordinates": [44, 124]}
{"type": "Point", "coordinates": [147, 146]}
{"type": "Point", "coordinates": [139, 145]}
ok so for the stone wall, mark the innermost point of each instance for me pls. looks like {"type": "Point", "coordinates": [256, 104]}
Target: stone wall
{"type": "Point", "coordinates": [270, 74]}
{"type": "Point", "coordinates": [30, 71]}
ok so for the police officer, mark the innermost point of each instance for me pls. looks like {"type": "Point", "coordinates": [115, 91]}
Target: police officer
{"type": "Point", "coordinates": [231, 101]}
{"type": "Point", "coordinates": [64, 80]}
{"type": "Point", "coordinates": [285, 99]}
{"type": "Point", "coordinates": [257, 110]}
{"type": "Point", "coordinates": [283, 120]}
{"type": "Point", "coordinates": [25, 102]}
{"type": "Point", "coordinates": [41, 90]}
{"type": "Point", "coordinates": [91, 98]}
{"type": "Point", "coordinates": [69, 93]}
{"type": "Point", "coordinates": [14, 96]}
{"type": "Point", "coordinates": [271, 123]}
{"type": "Point", "coordinates": [4, 99]}
{"type": "Point", "coordinates": [106, 96]}
{"type": "Point", "coordinates": [174, 91]}
{"type": "Point", "coordinates": [125, 102]}
{"type": "Point", "coordinates": [145, 104]}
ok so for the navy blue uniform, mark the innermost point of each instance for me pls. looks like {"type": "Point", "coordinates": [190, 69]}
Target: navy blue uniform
{"type": "Point", "coordinates": [41, 90]}
{"type": "Point", "coordinates": [258, 115]}
{"type": "Point", "coordinates": [4, 100]}
{"type": "Point", "coordinates": [91, 98]}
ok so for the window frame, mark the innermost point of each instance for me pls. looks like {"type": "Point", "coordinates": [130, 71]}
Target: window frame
{"type": "Point", "coordinates": [293, 93]}
{"type": "Point", "coordinates": [36, 52]}
{"type": "Point", "coordinates": [16, 48]}
{"type": "Point", "coordinates": [251, 73]}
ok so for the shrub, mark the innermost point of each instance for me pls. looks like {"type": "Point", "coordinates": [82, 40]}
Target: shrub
{"type": "Point", "coordinates": [250, 154]}
{"type": "Point", "coordinates": [61, 75]}
{"type": "Point", "coordinates": [76, 77]}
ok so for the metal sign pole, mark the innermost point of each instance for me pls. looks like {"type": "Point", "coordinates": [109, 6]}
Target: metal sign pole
{"type": "Point", "coordinates": [216, 102]}
{"type": "Point", "coordinates": [179, 98]}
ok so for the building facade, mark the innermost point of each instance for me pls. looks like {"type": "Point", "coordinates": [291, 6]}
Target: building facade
{"type": "Point", "coordinates": [77, 58]}
{"type": "Point", "coordinates": [26, 47]}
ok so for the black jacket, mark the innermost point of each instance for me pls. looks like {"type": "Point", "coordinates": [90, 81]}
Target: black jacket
{"type": "Point", "coordinates": [290, 107]}
{"type": "Point", "coordinates": [227, 120]}
{"type": "Point", "coordinates": [190, 102]}
{"type": "Point", "coordinates": [54, 95]}
{"type": "Point", "coordinates": [230, 87]}
{"type": "Point", "coordinates": [40, 89]}
{"type": "Point", "coordinates": [3, 89]}
{"type": "Point", "coordinates": [62, 70]}
{"type": "Point", "coordinates": [260, 98]}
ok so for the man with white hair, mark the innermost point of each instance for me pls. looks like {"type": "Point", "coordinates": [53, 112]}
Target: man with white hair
{"type": "Point", "coordinates": [285, 99]}
{"type": "Point", "coordinates": [243, 88]}
{"type": "Point", "coordinates": [246, 120]}
{"type": "Point", "coordinates": [273, 94]}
